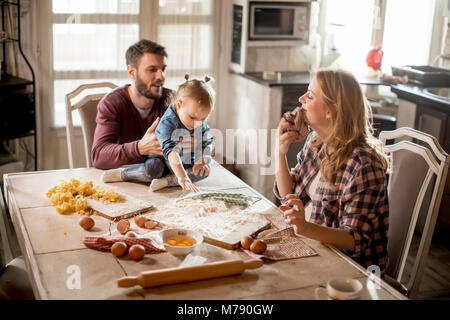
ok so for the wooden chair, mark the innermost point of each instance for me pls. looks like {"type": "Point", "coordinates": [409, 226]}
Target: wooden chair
{"type": "Point", "coordinates": [417, 180]}
{"type": "Point", "coordinates": [87, 108]}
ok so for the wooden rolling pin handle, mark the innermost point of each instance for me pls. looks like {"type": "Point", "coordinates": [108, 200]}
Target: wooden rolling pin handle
{"type": "Point", "coordinates": [179, 275]}
{"type": "Point", "coordinates": [253, 264]}
{"type": "Point", "coordinates": [127, 282]}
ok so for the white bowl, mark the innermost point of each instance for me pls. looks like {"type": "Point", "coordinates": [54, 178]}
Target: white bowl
{"type": "Point", "coordinates": [164, 234]}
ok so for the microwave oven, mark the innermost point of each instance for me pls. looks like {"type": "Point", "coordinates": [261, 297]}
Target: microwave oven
{"type": "Point", "coordinates": [278, 21]}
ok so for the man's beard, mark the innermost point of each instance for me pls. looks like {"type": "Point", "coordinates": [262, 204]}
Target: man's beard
{"type": "Point", "coordinates": [142, 88]}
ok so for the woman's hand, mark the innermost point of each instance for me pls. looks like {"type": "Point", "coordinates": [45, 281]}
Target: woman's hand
{"type": "Point", "coordinates": [187, 184]}
{"type": "Point", "coordinates": [286, 133]}
{"type": "Point", "coordinates": [286, 136]}
{"type": "Point", "coordinates": [294, 212]}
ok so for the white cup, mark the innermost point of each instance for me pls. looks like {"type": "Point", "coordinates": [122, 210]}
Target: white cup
{"type": "Point", "coordinates": [342, 289]}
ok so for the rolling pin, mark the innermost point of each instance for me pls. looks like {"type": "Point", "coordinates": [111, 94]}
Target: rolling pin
{"type": "Point", "coordinates": [156, 278]}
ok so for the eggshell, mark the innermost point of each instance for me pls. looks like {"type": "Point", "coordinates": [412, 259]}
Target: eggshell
{"type": "Point", "coordinates": [140, 221]}
{"type": "Point", "coordinates": [150, 224]}
{"type": "Point", "coordinates": [136, 252]}
{"type": "Point", "coordinates": [246, 242]}
{"type": "Point", "coordinates": [87, 223]}
{"type": "Point", "coordinates": [123, 226]}
{"type": "Point", "coordinates": [131, 234]}
{"type": "Point", "coordinates": [258, 246]}
{"type": "Point", "coordinates": [119, 249]}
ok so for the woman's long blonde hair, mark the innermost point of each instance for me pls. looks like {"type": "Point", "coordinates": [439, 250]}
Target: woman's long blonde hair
{"type": "Point", "coordinates": [351, 122]}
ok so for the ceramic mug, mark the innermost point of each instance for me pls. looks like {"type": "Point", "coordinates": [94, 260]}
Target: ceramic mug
{"type": "Point", "coordinates": [342, 289]}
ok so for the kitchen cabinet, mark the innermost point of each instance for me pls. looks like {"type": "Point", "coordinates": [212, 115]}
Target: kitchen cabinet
{"type": "Point", "coordinates": [437, 123]}
{"type": "Point", "coordinates": [430, 115]}
{"type": "Point", "coordinates": [433, 122]}
{"type": "Point", "coordinates": [248, 128]}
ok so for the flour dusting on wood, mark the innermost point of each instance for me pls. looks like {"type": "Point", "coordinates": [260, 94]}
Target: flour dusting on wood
{"type": "Point", "coordinates": [212, 218]}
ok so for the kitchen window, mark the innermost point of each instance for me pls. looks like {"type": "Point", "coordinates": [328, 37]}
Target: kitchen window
{"type": "Point", "coordinates": [349, 25]}
{"type": "Point", "coordinates": [90, 38]}
{"type": "Point", "coordinates": [187, 28]}
{"type": "Point", "coordinates": [407, 33]}
{"type": "Point", "coordinates": [353, 26]}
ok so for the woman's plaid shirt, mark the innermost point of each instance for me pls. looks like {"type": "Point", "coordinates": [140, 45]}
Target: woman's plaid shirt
{"type": "Point", "coordinates": [358, 205]}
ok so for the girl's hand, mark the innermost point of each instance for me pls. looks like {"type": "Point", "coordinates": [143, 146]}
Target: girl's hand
{"type": "Point", "coordinates": [187, 184]}
{"type": "Point", "coordinates": [201, 169]}
{"type": "Point", "coordinates": [294, 212]}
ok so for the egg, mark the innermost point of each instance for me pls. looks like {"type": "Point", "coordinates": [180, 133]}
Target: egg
{"type": "Point", "coordinates": [150, 224]}
{"type": "Point", "coordinates": [131, 234]}
{"type": "Point", "coordinates": [123, 226]}
{"type": "Point", "coordinates": [119, 249]}
{"type": "Point", "coordinates": [136, 252]}
{"type": "Point", "coordinates": [140, 221]}
{"type": "Point", "coordinates": [87, 223]}
{"type": "Point", "coordinates": [246, 242]}
{"type": "Point", "coordinates": [258, 247]}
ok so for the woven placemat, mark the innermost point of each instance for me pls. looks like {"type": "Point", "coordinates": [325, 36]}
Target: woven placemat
{"type": "Point", "coordinates": [284, 245]}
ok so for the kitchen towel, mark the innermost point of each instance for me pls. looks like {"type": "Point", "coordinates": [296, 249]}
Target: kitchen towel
{"type": "Point", "coordinates": [282, 245]}
{"type": "Point", "coordinates": [105, 243]}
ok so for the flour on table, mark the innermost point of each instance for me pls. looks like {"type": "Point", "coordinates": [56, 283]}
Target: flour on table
{"type": "Point", "coordinates": [212, 218]}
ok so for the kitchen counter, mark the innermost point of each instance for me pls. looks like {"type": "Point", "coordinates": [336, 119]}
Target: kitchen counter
{"type": "Point", "coordinates": [286, 79]}
{"type": "Point", "coordinates": [295, 78]}
{"type": "Point", "coordinates": [418, 95]}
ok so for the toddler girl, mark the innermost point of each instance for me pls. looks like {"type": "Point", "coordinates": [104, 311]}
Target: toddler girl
{"type": "Point", "coordinates": [184, 120]}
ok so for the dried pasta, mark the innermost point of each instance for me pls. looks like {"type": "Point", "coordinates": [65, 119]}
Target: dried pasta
{"type": "Point", "coordinates": [70, 196]}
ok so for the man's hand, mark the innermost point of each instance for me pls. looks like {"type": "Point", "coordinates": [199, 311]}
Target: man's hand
{"type": "Point", "coordinates": [149, 145]}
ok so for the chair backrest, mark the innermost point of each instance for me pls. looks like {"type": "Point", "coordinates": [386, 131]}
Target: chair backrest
{"type": "Point", "coordinates": [87, 108]}
{"type": "Point", "coordinates": [415, 170]}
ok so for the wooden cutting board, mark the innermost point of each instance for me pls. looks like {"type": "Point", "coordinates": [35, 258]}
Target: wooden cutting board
{"type": "Point", "coordinates": [127, 207]}
{"type": "Point", "coordinates": [229, 240]}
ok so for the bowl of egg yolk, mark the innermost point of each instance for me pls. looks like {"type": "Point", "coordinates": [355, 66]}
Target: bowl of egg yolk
{"type": "Point", "coordinates": [180, 241]}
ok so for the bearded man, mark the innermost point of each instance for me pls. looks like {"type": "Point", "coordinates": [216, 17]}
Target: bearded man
{"type": "Point", "coordinates": [127, 117]}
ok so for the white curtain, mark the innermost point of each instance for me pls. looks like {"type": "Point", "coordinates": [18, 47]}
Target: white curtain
{"type": "Point", "coordinates": [89, 39]}
{"type": "Point", "coordinates": [187, 29]}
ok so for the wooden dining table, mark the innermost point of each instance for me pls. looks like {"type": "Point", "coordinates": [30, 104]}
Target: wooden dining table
{"type": "Point", "coordinates": [54, 253]}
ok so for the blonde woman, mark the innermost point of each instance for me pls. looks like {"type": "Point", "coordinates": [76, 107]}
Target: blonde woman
{"type": "Point", "coordinates": [340, 170]}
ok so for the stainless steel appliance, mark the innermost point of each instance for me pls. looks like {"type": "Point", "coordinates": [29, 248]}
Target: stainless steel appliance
{"type": "Point", "coordinates": [275, 21]}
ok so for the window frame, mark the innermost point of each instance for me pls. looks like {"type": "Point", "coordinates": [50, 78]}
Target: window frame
{"type": "Point", "coordinates": [148, 29]}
